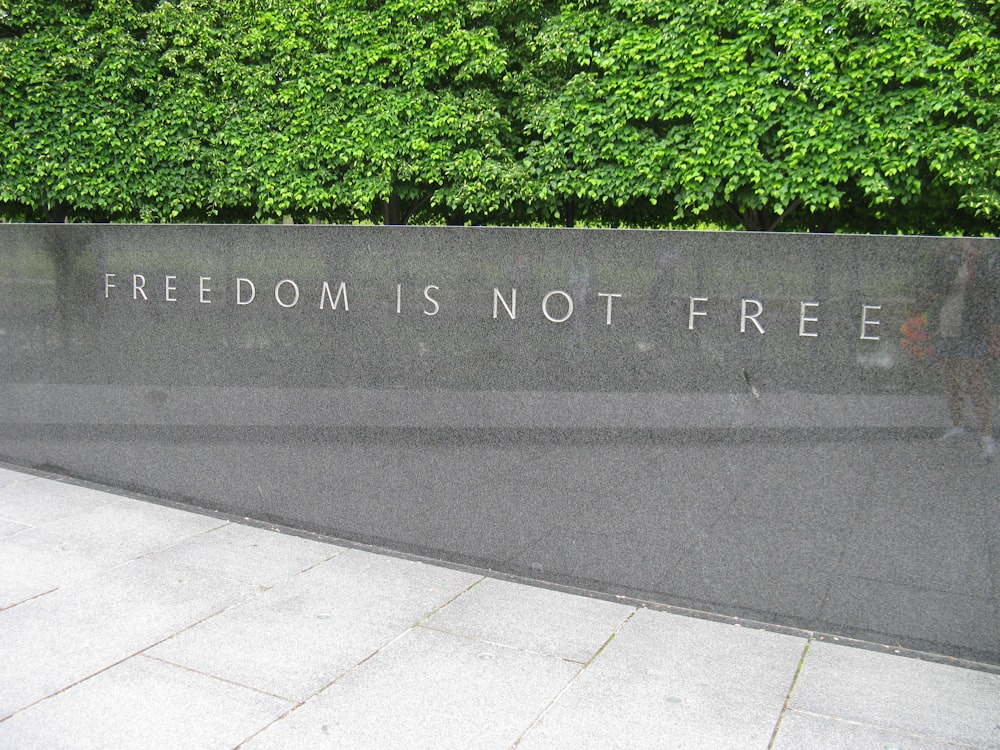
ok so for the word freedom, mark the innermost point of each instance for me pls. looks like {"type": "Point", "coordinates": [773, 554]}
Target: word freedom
{"type": "Point", "coordinates": [557, 306]}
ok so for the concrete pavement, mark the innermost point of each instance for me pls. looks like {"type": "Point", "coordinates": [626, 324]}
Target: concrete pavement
{"type": "Point", "coordinates": [128, 623]}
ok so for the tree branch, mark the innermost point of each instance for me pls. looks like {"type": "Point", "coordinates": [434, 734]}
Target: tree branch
{"type": "Point", "coordinates": [792, 207]}
{"type": "Point", "coordinates": [416, 206]}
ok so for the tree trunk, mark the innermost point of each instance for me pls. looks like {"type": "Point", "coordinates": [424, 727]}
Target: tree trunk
{"type": "Point", "coordinates": [57, 214]}
{"type": "Point", "coordinates": [569, 213]}
{"type": "Point", "coordinates": [392, 210]}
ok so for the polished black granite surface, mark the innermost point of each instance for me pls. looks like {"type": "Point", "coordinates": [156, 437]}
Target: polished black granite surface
{"type": "Point", "coordinates": [730, 422]}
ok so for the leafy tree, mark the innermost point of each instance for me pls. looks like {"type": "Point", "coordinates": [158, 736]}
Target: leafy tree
{"type": "Point", "coordinates": [234, 109]}
{"type": "Point", "coordinates": [810, 114]}
{"type": "Point", "coordinates": [183, 169]}
{"type": "Point", "coordinates": [768, 111]}
{"type": "Point", "coordinates": [68, 83]}
{"type": "Point", "coordinates": [386, 110]}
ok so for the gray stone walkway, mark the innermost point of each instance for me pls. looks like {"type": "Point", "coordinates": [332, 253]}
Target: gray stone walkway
{"type": "Point", "coordinates": [129, 624]}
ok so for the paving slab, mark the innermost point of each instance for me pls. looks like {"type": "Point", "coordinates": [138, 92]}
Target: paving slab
{"type": "Point", "coordinates": [117, 532]}
{"type": "Point", "coordinates": [805, 731]}
{"type": "Point", "coordinates": [427, 689]}
{"type": "Point", "coordinates": [532, 619]}
{"type": "Point", "coordinates": [142, 702]}
{"type": "Point", "coordinates": [8, 477]}
{"type": "Point", "coordinates": [244, 553]}
{"type": "Point", "coordinates": [74, 547]}
{"type": "Point", "coordinates": [28, 571]}
{"type": "Point", "coordinates": [671, 681]}
{"type": "Point", "coordinates": [302, 634]}
{"type": "Point", "coordinates": [960, 706]}
{"type": "Point", "coordinates": [35, 501]}
{"type": "Point", "coordinates": [49, 643]}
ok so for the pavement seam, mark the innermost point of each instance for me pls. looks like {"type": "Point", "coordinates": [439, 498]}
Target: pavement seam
{"type": "Point", "coordinates": [786, 706]}
{"type": "Point", "coordinates": [456, 597]}
{"type": "Point", "coordinates": [498, 644]}
{"type": "Point", "coordinates": [297, 704]}
{"type": "Point", "coordinates": [569, 683]}
{"type": "Point", "coordinates": [378, 649]}
{"type": "Point", "coordinates": [143, 655]}
{"type": "Point", "coordinates": [63, 689]}
{"type": "Point", "coordinates": [82, 680]}
{"type": "Point", "coordinates": [33, 597]}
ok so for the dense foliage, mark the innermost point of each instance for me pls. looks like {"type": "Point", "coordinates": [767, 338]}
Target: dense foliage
{"type": "Point", "coordinates": [803, 114]}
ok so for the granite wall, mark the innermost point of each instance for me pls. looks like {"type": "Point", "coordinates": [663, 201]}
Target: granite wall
{"type": "Point", "coordinates": [713, 420]}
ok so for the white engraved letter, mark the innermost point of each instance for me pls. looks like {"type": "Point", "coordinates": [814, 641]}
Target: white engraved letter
{"type": "Point", "coordinates": [611, 298]}
{"type": "Point", "coordinates": [108, 286]}
{"type": "Point", "coordinates": [692, 312]}
{"type": "Point", "coordinates": [328, 295]}
{"type": "Point", "coordinates": [745, 316]}
{"type": "Point", "coordinates": [803, 320]}
{"type": "Point", "coordinates": [865, 322]}
{"type": "Point", "coordinates": [511, 308]}
{"type": "Point", "coordinates": [295, 293]}
{"type": "Point", "coordinates": [569, 306]}
{"type": "Point", "coordinates": [427, 296]}
{"type": "Point", "coordinates": [239, 291]}
{"type": "Point", "coordinates": [138, 286]}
